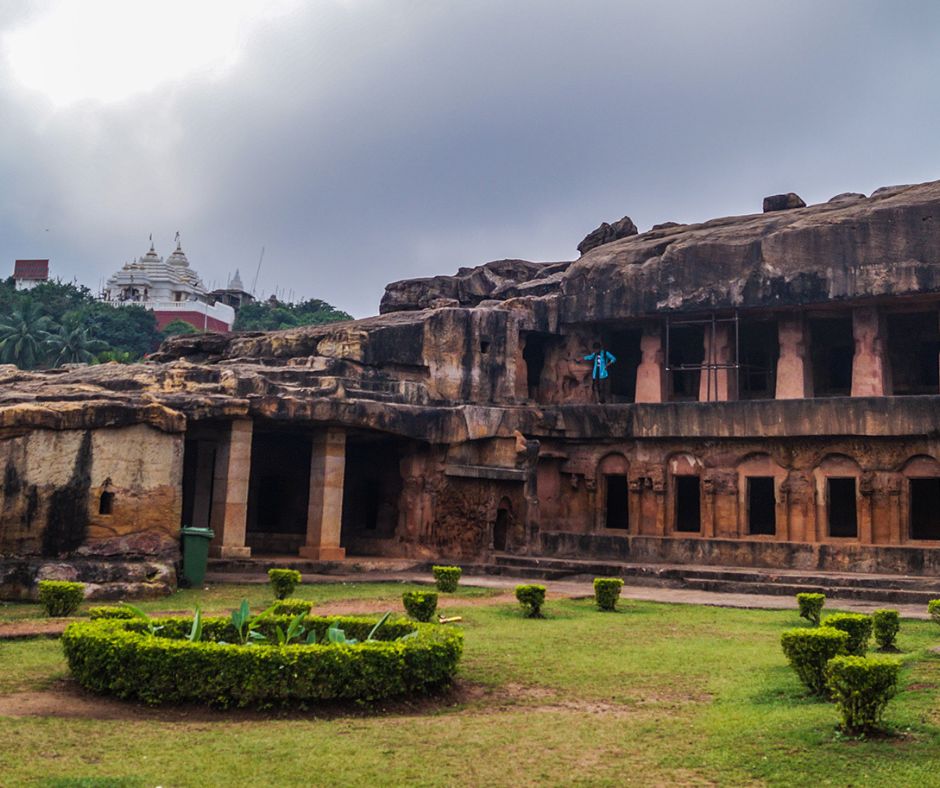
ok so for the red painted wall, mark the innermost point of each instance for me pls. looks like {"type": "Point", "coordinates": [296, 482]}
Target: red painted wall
{"type": "Point", "coordinates": [195, 319]}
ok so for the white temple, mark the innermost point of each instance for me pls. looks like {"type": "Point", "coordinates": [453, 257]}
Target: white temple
{"type": "Point", "coordinates": [170, 288]}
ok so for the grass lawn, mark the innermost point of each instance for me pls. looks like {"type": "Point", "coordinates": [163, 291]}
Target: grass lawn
{"type": "Point", "coordinates": [653, 694]}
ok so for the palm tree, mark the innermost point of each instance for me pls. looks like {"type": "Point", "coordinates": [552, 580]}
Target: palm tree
{"type": "Point", "coordinates": [22, 336]}
{"type": "Point", "coordinates": [72, 345]}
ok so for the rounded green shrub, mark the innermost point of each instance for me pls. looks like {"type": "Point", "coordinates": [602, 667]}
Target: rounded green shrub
{"type": "Point", "coordinates": [607, 592]}
{"type": "Point", "coordinates": [531, 597]}
{"type": "Point", "coordinates": [858, 627]}
{"type": "Point", "coordinates": [109, 611]}
{"type": "Point", "coordinates": [886, 625]}
{"type": "Point", "coordinates": [861, 688]}
{"type": "Point", "coordinates": [808, 651]}
{"type": "Point", "coordinates": [933, 609]}
{"type": "Point", "coordinates": [283, 581]}
{"type": "Point", "coordinates": [811, 606]}
{"type": "Point", "coordinates": [447, 578]}
{"type": "Point", "coordinates": [420, 605]}
{"type": "Point", "coordinates": [123, 658]}
{"type": "Point", "coordinates": [291, 607]}
{"type": "Point", "coordinates": [60, 597]}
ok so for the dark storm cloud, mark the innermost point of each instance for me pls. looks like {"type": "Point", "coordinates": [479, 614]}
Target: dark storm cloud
{"type": "Point", "coordinates": [367, 142]}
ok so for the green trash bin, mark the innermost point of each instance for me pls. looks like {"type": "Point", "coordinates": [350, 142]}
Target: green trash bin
{"type": "Point", "coordinates": [195, 553]}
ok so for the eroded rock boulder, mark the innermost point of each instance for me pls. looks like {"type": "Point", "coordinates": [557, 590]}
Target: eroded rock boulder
{"type": "Point", "coordinates": [606, 233]}
{"type": "Point", "coordinates": [783, 202]}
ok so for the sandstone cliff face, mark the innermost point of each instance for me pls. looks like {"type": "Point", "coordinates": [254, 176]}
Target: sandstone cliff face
{"type": "Point", "coordinates": [850, 247]}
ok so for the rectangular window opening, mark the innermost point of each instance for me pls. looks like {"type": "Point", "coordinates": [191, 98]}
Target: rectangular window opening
{"type": "Point", "coordinates": [688, 504]}
{"type": "Point", "coordinates": [616, 513]}
{"type": "Point", "coordinates": [686, 354]}
{"type": "Point", "coordinates": [925, 508]}
{"type": "Point", "coordinates": [758, 355]}
{"type": "Point", "coordinates": [761, 506]}
{"type": "Point", "coordinates": [832, 348]}
{"type": "Point", "coordinates": [913, 350]}
{"type": "Point", "coordinates": [841, 505]}
{"type": "Point", "coordinates": [106, 503]}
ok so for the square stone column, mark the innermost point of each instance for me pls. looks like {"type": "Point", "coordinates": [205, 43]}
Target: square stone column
{"type": "Point", "coordinates": [325, 510]}
{"type": "Point", "coordinates": [869, 366]}
{"type": "Point", "coordinates": [230, 491]}
{"type": "Point", "coordinates": [722, 381]}
{"type": "Point", "coordinates": [794, 371]}
{"type": "Point", "coordinates": [650, 375]}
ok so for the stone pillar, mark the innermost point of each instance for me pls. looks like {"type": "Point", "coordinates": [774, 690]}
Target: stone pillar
{"type": "Point", "coordinates": [650, 377]}
{"type": "Point", "coordinates": [869, 368]}
{"type": "Point", "coordinates": [718, 385]}
{"type": "Point", "coordinates": [325, 510]}
{"type": "Point", "coordinates": [794, 371]}
{"type": "Point", "coordinates": [230, 491]}
{"type": "Point", "coordinates": [202, 500]}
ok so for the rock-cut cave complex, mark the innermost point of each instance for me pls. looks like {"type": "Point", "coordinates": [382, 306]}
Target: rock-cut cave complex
{"type": "Point", "coordinates": [775, 403]}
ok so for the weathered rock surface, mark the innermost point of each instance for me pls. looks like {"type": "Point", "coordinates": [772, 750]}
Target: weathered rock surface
{"type": "Point", "coordinates": [606, 233]}
{"type": "Point", "coordinates": [783, 202]}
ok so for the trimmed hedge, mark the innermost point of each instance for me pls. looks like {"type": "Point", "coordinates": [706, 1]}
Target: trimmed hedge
{"type": "Point", "coordinates": [857, 626]}
{"type": "Point", "coordinates": [811, 606]}
{"type": "Point", "coordinates": [283, 581]}
{"type": "Point", "coordinates": [886, 625]}
{"type": "Point", "coordinates": [933, 609]}
{"type": "Point", "coordinates": [291, 607]}
{"type": "Point", "coordinates": [531, 597]}
{"type": "Point", "coordinates": [60, 597]}
{"type": "Point", "coordinates": [109, 611]}
{"type": "Point", "coordinates": [121, 658]}
{"type": "Point", "coordinates": [420, 605]}
{"type": "Point", "coordinates": [861, 687]}
{"type": "Point", "coordinates": [446, 578]}
{"type": "Point", "coordinates": [808, 651]}
{"type": "Point", "coordinates": [607, 592]}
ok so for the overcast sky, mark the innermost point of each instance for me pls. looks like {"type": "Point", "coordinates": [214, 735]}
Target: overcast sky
{"type": "Point", "coordinates": [363, 142]}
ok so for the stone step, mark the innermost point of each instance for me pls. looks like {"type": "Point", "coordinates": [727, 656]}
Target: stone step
{"type": "Point", "coordinates": [261, 564]}
{"type": "Point", "coordinates": [890, 596]}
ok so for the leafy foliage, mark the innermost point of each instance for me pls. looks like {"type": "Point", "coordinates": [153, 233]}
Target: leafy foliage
{"type": "Point", "coordinates": [933, 609]}
{"type": "Point", "coordinates": [23, 336]}
{"type": "Point", "coordinates": [291, 607]}
{"type": "Point", "coordinates": [861, 688]}
{"type": "Point", "coordinates": [886, 624]}
{"type": "Point", "coordinates": [177, 327]}
{"type": "Point", "coordinates": [118, 657]}
{"type": "Point", "coordinates": [273, 316]}
{"type": "Point", "coordinates": [60, 597]}
{"type": "Point", "coordinates": [857, 625]}
{"type": "Point", "coordinates": [283, 581]}
{"type": "Point", "coordinates": [447, 578]}
{"type": "Point", "coordinates": [607, 592]}
{"type": "Point", "coordinates": [808, 651]}
{"type": "Point", "coordinates": [420, 605]}
{"type": "Point", "coordinates": [109, 611]}
{"type": "Point", "coordinates": [811, 606]}
{"type": "Point", "coordinates": [531, 597]}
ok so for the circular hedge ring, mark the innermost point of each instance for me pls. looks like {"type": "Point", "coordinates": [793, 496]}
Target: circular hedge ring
{"type": "Point", "coordinates": [154, 661]}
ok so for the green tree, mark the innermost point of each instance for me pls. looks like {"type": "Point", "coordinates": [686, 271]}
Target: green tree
{"type": "Point", "coordinates": [23, 335]}
{"type": "Point", "coordinates": [177, 327]}
{"type": "Point", "coordinates": [72, 345]}
{"type": "Point", "coordinates": [273, 315]}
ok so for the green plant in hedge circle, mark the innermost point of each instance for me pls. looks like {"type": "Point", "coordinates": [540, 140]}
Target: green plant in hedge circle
{"type": "Point", "coordinates": [60, 597]}
{"type": "Point", "coordinates": [283, 581]}
{"type": "Point", "coordinates": [811, 606]}
{"type": "Point", "coordinates": [447, 578]}
{"type": "Point", "coordinates": [861, 688]}
{"type": "Point", "coordinates": [808, 651]}
{"type": "Point", "coordinates": [857, 626]}
{"type": "Point", "coordinates": [886, 625]}
{"type": "Point", "coordinates": [607, 592]}
{"type": "Point", "coordinates": [420, 605]}
{"type": "Point", "coordinates": [291, 607]}
{"type": "Point", "coordinates": [933, 610]}
{"type": "Point", "coordinates": [109, 611]}
{"type": "Point", "coordinates": [531, 597]}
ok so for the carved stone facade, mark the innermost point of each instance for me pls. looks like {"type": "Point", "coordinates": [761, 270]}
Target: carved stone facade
{"type": "Point", "coordinates": [775, 402]}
